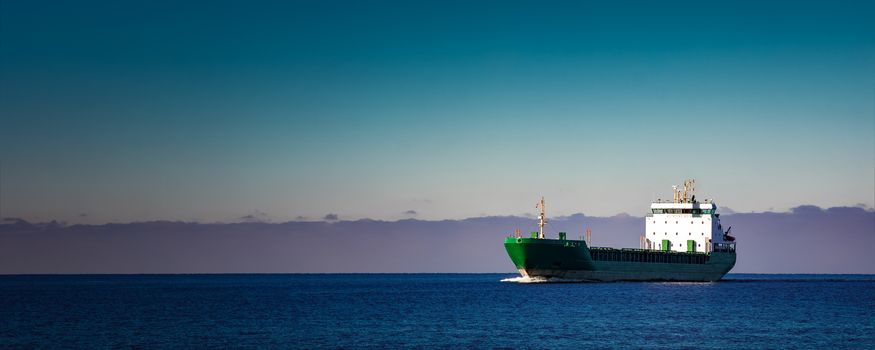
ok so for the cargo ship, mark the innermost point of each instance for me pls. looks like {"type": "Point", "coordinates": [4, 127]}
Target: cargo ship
{"type": "Point", "coordinates": [683, 241]}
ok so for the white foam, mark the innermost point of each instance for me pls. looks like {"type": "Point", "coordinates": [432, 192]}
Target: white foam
{"type": "Point", "coordinates": [539, 279]}
{"type": "Point", "coordinates": [525, 279]}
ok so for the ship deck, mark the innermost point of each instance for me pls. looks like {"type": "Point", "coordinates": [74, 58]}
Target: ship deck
{"type": "Point", "coordinates": [648, 256]}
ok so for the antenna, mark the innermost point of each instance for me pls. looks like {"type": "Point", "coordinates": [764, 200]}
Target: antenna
{"type": "Point", "coordinates": [542, 219]}
{"type": "Point", "coordinates": [683, 196]}
{"type": "Point", "coordinates": [689, 188]}
{"type": "Point", "coordinates": [686, 187]}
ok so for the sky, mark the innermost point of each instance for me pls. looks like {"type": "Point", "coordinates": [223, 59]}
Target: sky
{"type": "Point", "coordinates": [296, 110]}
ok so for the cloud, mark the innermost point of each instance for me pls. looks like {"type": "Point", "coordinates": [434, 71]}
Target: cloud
{"type": "Point", "coordinates": [806, 210]}
{"type": "Point", "coordinates": [863, 206]}
{"type": "Point", "coordinates": [575, 216]}
{"type": "Point", "coordinates": [411, 212]}
{"type": "Point", "coordinates": [783, 242]}
{"type": "Point", "coordinates": [846, 210]}
{"type": "Point", "coordinates": [256, 216]}
{"type": "Point", "coordinates": [330, 217]}
{"type": "Point", "coordinates": [248, 218]}
{"type": "Point", "coordinates": [83, 215]}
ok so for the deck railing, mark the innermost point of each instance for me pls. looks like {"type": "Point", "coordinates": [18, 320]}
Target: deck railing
{"type": "Point", "coordinates": [646, 255]}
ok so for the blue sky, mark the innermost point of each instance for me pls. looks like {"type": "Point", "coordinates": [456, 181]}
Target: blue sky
{"type": "Point", "coordinates": [130, 111]}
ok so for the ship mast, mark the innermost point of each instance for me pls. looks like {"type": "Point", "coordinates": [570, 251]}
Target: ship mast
{"type": "Point", "coordinates": [542, 219]}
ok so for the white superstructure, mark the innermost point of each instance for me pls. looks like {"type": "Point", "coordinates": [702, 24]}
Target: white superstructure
{"type": "Point", "coordinates": [683, 224]}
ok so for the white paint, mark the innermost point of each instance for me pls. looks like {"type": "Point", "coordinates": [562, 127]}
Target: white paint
{"type": "Point", "coordinates": [678, 228]}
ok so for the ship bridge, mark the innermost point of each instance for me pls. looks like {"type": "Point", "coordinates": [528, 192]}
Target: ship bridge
{"type": "Point", "coordinates": [685, 224]}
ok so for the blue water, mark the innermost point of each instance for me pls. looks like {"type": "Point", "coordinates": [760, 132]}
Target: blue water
{"type": "Point", "coordinates": [433, 311]}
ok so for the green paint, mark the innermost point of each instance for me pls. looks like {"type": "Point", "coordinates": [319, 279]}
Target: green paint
{"type": "Point", "coordinates": [574, 259]}
{"type": "Point", "coordinates": [547, 253]}
{"type": "Point", "coordinates": [691, 246]}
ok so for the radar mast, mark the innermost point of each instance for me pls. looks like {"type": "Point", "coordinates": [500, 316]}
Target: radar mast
{"type": "Point", "coordinates": [542, 219]}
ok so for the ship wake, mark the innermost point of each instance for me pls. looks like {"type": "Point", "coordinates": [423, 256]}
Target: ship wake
{"type": "Point", "coordinates": [541, 279]}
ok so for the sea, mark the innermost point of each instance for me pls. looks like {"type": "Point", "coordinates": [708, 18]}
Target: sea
{"type": "Point", "coordinates": [448, 311]}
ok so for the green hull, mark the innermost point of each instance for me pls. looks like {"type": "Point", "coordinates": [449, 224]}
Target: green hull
{"type": "Point", "coordinates": [571, 259]}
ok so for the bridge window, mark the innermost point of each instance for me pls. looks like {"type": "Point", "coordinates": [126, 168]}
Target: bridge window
{"type": "Point", "coordinates": [682, 211]}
